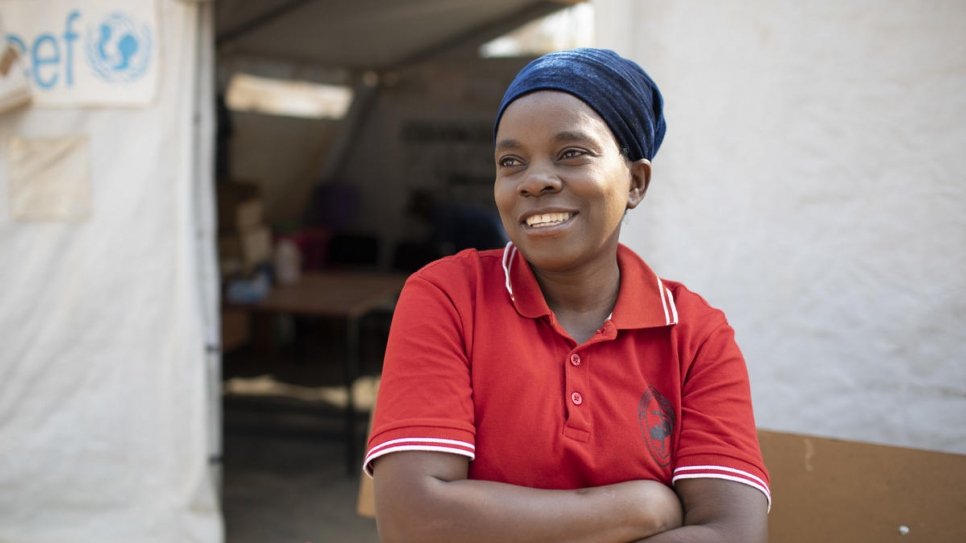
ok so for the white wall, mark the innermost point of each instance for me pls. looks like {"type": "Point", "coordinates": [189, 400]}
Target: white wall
{"type": "Point", "coordinates": [813, 185]}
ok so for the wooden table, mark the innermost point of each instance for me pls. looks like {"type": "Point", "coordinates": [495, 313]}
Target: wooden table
{"type": "Point", "coordinates": [337, 295]}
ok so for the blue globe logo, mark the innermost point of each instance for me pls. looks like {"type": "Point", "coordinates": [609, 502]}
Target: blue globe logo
{"type": "Point", "coordinates": [118, 50]}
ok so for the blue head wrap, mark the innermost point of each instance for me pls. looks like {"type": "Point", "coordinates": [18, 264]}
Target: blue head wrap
{"type": "Point", "coordinates": [618, 89]}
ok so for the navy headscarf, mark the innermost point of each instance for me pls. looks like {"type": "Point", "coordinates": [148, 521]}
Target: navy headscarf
{"type": "Point", "coordinates": [618, 89]}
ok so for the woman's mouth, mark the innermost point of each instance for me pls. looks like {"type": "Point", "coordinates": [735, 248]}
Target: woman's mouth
{"type": "Point", "coordinates": [544, 220]}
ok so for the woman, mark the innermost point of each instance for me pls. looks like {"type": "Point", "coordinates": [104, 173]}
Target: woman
{"type": "Point", "coordinates": [558, 390]}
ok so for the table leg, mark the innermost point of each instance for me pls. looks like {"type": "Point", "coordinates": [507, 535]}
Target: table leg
{"type": "Point", "coordinates": [351, 372]}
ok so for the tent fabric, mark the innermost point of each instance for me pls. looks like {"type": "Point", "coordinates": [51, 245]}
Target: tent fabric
{"type": "Point", "coordinates": [362, 34]}
{"type": "Point", "coordinates": [104, 428]}
{"type": "Point", "coordinates": [49, 178]}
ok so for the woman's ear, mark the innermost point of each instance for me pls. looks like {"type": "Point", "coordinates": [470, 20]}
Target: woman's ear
{"type": "Point", "coordinates": [640, 178]}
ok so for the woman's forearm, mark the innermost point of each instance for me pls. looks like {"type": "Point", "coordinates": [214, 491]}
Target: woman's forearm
{"type": "Point", "coordinates": [469, 511]}
{"type": "Point", "coordinates": [413, 507]}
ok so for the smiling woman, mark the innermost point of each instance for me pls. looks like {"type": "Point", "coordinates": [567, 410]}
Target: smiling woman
{"type": "Point", "coordinates": [558, 389]}
{"type": "Point", "coordinates": [548, 140]}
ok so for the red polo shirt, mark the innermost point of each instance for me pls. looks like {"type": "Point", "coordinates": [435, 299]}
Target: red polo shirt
{"type": "Point", "coordinates": [477, 365]}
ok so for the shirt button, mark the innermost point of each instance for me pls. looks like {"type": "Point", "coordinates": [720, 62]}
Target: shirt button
{"type": "Point", "coordinates": [576, 398]}
{"type": "Point", "coordinates": [575, 359]}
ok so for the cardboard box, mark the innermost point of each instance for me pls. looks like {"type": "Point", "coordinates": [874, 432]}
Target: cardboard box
{"type": "Point", "coordinates": [240, 206]}
{"type": "Point", "coordinates": [241, 216]}
{"type": "Point", "coordinates": [366, 503]}
{"type": "Point", "coordinates": [833, 490]}
{"type": "Point", "coordinates": [242, 252]}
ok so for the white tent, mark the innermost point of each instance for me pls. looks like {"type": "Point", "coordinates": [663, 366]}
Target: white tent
{"type": "Point", "coordinates": [107, 274]}
{"type": "Point", "coordinates": [109, 358]}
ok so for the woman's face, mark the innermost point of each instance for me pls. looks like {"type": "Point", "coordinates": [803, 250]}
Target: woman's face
{"type": "Point", "coordinates": [562, 185]}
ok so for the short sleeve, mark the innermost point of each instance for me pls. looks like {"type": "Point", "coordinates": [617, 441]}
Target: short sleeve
{"type": "Point", "coordinates": [718, 435]}
{"type": "Point", "coordinates": [425, 400]}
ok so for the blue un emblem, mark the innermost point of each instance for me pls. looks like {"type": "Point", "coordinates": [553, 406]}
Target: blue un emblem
{"type": "Point", "coordinates": [118, 50]}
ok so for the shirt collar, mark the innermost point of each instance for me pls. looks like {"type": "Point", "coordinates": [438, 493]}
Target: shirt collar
{"type": "Point", "coordinates": [642, 302]}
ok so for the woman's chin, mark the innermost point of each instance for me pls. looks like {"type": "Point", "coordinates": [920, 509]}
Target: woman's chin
{"type": "Point", "coordinates": [547, 256]}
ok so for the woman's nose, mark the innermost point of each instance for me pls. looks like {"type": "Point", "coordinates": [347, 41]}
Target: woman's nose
{"type": "Point", "coordinates": [539, 179]}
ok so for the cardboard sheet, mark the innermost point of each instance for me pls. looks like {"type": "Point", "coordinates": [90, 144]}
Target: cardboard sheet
{"type": "Point", "coordinates": [832, 490]}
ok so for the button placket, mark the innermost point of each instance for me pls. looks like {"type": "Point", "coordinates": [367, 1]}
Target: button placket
{"type": "Point", "coordinates": [576, 397]}
{"type": "Point", "coordinates": [577, 382]}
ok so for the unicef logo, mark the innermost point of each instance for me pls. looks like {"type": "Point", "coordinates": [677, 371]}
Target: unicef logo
{"type": "Point", "coordinates": [118, 50]}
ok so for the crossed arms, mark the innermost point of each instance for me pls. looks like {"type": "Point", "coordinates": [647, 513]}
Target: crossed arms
{"type": "Point", "coordinates": [425, 496]}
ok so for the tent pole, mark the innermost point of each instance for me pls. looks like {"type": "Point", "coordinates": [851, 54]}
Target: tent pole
{"type": "Point", "coordinates": [335, 159]}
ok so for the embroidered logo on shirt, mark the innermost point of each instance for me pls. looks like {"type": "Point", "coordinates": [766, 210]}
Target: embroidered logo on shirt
{"type": "Point", "coordinates": [655, 414]}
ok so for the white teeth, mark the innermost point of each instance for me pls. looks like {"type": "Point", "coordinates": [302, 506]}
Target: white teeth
{"type": "Point", "coordinates": [547, 219]}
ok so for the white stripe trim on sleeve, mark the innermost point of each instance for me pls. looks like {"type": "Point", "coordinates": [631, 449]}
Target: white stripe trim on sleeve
{"type": "Point", "coordinates": [374, 454]}
{"type": "Point", "coordinates": [722, 468]}
{"type": "Point", "coordinates": [434, 440]}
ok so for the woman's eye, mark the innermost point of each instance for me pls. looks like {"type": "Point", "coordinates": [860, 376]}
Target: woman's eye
{"type": "Point", "coordinates": [508, 162]}
{"type": "Point", "coordinates": [571, 153]}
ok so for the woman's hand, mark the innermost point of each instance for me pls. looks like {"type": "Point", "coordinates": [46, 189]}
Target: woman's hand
{"type": "Point", "coordinates": [718, 511]}
{"type": "Point", "coordinates": [651, 506]}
